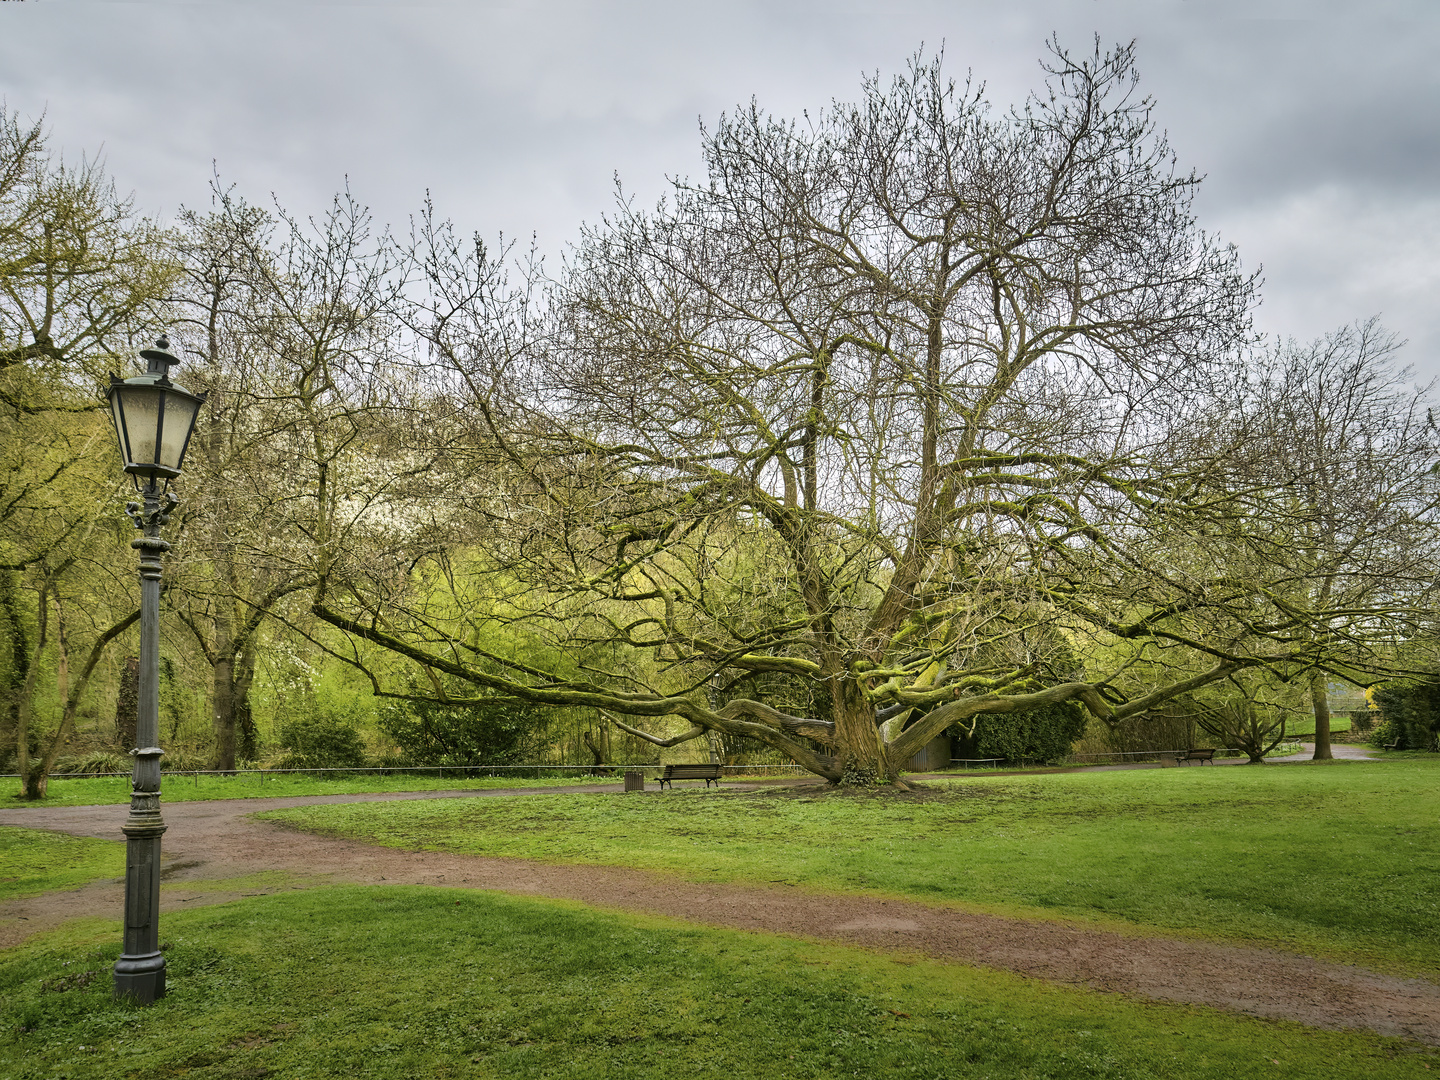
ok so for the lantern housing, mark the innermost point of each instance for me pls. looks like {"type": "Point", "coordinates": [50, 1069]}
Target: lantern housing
{"type": "Point", "coordinates": [153, 417]}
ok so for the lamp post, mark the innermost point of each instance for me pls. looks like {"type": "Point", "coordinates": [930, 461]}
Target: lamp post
{"type": "Point", "coordinates": [153, 420]}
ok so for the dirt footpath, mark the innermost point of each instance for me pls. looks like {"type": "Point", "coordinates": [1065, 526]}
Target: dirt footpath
{"type": "Point", "coordinates": [211, 843]}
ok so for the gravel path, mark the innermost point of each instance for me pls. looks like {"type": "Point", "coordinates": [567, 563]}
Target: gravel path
{"type": "Point", "coordinates": [212, 847]}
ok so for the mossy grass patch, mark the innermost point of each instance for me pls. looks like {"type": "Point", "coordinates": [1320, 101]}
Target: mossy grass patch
{"type": "Point", "coordinates": [33, 861]}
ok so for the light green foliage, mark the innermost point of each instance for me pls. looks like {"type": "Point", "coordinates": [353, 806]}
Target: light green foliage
{"type": "Point", "coordinates": [78, 270]}
{"type": "Point", "coordinates": [34, 862]}
{"type": "Point", "coordinates": [319, 712]}
{"type": "Point", "coordinates": [405, 982]}
{"type": "Point", "coordinates": [1201, 850]}
{"type": "Point", "coordinates": [80, 277]}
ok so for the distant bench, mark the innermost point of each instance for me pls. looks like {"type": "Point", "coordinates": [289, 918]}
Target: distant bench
{"type": "Point", "coordinates": [690, 772]}
{"type": "Point", "coordinates": [1393, 745]}
{"type": "Point", "coordinates": [1201, 754]}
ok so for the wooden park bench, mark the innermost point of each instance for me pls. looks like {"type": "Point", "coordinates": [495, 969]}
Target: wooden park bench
{"type": "Point", "coordinates": [1394, 745]}
{"type": "Point", "coordinates": [1201, 754]}
{"type": "Point", "coordinates": [690, 772]}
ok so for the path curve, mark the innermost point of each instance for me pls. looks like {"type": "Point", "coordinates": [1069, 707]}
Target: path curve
{"type": "Point", "coordinates": [209, 842]}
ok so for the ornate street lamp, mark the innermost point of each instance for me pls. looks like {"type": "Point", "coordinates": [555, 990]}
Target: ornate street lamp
{"type": "Point", "coordinates": [153, 419]}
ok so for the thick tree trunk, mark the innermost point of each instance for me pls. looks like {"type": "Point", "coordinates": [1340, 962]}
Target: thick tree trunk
{"type": "Point", "coordinates": [1320, 702]}
{"type": "Point", "coordinates": [247, 736]}
{"type": "Point", "coordinates": [127, 704]}
{"type": "Point", "coordinates": [596, 749]}
{"type": "Point", "coordinates": [223, 697]}
{"type": "Point", "coordinates": [858, 742]}
{"type": "Point", "coordinates": [18, 667]}
{"type": "Point", "coordinates": [595, 752]}
{"type": "Point", "coordinates": [28, 769]}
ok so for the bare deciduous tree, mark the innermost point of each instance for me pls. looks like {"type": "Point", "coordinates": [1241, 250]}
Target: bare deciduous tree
{"type": "Point", "coordinates": [79, 275]}
{"type": "Point", "coordinates": [291, 333]}
{"type": "Point", "coordinates": [1346, 450]}
{"type": "Point", "coordinates": [78, 271]}
{"type": "Point", "coordinates": [872, 411]}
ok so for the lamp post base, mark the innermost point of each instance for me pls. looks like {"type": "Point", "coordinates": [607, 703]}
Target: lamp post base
{"type": "Point", "coordinates": [140, 978]}
{"type": "Point", "coordinates": [140, 971]}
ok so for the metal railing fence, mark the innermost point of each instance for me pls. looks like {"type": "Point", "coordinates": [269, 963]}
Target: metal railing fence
{"type": "Point", "coordinates": [441, 771]}
{"type": "Point", "coordinates": [1082, 758]}
{"type": "Point", "coordinates": [1152, 753]}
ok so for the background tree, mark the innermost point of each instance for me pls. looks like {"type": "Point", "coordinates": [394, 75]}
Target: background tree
{"type": "Point", "coordinates": [71, 685]}
{"type": "Point", "coordinates": [1336, 450]}
{"type": "Point", "coordinates": [80, 275]}
{"type": "Point", "coordinates": [79, 272]}
{"type": "Point", "coordinates": [228, 574]}
{"type": "Point", "coordinates": [1360, 447]}
{"type": "Point", "coordinates": [1248, 712]}
{"type": "Point", "coordinates": [285, 324]}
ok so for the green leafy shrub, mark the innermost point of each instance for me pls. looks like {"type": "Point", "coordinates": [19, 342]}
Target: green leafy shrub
{"type": "Point", "coordinates": [1382, 734]}
{"type": "Point", "coordinates": [1409, 713]}
{"type": "Point", "coordinates": [485, 733]}
{"type": "Point", "coordinates": [320, 715]}
{"type": "Point", "coordinates": [1045, 734]}
{"type": "Point", "coordinates": [321, 741]}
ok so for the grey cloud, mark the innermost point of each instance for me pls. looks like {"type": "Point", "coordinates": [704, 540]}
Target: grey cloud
{"type": "Point", "coordinates": [1311, 120]}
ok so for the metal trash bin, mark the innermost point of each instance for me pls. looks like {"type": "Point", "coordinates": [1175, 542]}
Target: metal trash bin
{"type": "Point", "coordinates": [634, 780]}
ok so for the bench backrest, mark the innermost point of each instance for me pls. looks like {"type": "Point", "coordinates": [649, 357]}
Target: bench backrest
{"type": "Point", "coordinates": [692, 772]}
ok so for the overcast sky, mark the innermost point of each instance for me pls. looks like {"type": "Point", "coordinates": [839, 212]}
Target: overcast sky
{"type": "Point", "coordinates": [1316, 124]}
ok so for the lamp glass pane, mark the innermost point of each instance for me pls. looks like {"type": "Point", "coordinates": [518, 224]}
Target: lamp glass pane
{"type": "Point", "coordinates": [142, 417]}
{"type": "Point", "coordinates": [179, 415]}
{"type": "Point", "coordinates": [116, 412]}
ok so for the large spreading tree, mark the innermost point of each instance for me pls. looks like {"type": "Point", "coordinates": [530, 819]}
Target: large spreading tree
{"type": "Point", "coordinates": [870, 433]}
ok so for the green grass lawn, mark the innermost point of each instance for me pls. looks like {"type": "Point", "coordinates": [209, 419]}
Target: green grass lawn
{"type": "Point", "coordinates": [1335, 859]}
{"type": "Point", "coordinates": [115, 790]}
{"type": "Point", "coordinates": [34, 862]}
{"type": "Point", "coordinates": [1304, 726]}
{"type": "Point", "coordinates": [411, 982]}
